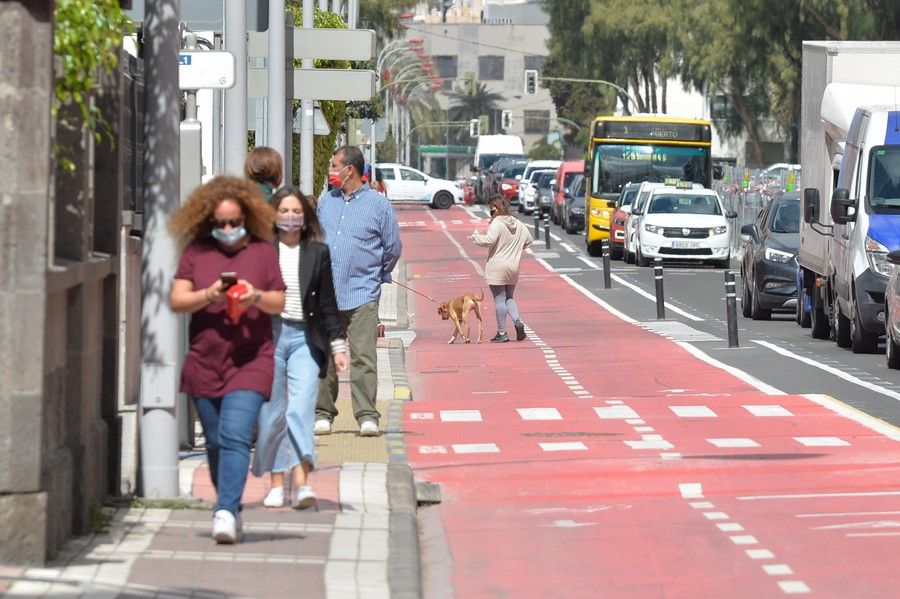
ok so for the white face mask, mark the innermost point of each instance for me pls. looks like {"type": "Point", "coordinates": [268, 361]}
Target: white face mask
{"type": "Point", "coordinates": [289, 222]}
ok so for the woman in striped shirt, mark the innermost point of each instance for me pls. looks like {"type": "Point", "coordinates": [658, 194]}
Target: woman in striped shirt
{"type": "Point", "coordinates": [307, 334]}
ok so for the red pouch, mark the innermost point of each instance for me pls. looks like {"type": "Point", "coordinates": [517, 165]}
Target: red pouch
{"type": "Point", "coordinates": [233, 305]}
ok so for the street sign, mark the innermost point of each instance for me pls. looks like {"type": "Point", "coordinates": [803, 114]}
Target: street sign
{"type": "Point", "coordinates": [323, 44]}
{"type": "Point", "coordinates": [318, 84]}
{"type": "Point", "coordinates": [209, 16]}
{"type": "Point", "coordinates": [205, 69]}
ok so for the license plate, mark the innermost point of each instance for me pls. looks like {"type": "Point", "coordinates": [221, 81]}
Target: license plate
{"type": "Point", "coordinates": [685, 244]}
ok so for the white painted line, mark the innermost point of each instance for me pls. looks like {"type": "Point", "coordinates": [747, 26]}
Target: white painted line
{"type": "Point", "coordinates": [821, 495]}
{"type": "Point", "coordinates": [574, 386]}
{"type": "Point", "coordinates": [589, 263]}
{"type": "Point", "coordinates": [760, 554]}
{"type": "Point", "coordinates": [733, 442]}
{"type": "Point", "coordinates": [691, 490]}
{"type": "Point", "coordinates": [767, 410]}
{"type": "Point", "coordinates": [568, 247]}
{"type": "Point", "coordinates": [643, 429]}
{"type": "Point", "coordinates": [462, 251]}
{"type": "Point", "coordinates": [461, 415]}
{"type": "Point", "coordinates": [614, 311]}
{"type": "Point", "coordinates": [743, 539]}
{"type": "Point", "coordinates": [693, 412]}
{"type": "Point", "coordinates": [870, 422]}
{"type": "Point", "coordinates": [476, 448]}
{"type": "Point", "coordinates": [432, 449]}
{"type": "Point", "coordinates": [635, 421]}
{"type": "Point", "coordinates": [539, 413]}
{"type": "Point", "coordinates": [830, 369]}
{"type": "Point", "coordinates": [652, 297]}
{"type": "Point", "coordinates": [615, 402]}
{"type": "Point", "coordinates": [701, 505]}
{"type": "Point", "coordinates": [730, 527]}
{"type": "Point", "coordinates": [872, 534]}
{"type": "Point", "coordinates": [821, 441]}
{"type": "Point", "coordinates": [747, 378]}
{"type": "Point", "coordinates": [489, 392]}
{"type": "Point", "coordinates": [777, 569]}
{"type": "Point", "coordinates": [658, 444]}
{"type": "Point", "coordinates": [616, 412]}
{"type": "Point", "coordinates": [421, 415]}
{"type": "Point", "coordinates": [583, 393]}
{"type": "Point", "coordinates": [845, 514]}
{"type": "Point", "coordinates": [670, 456]}
{"type": "Point", "coordinates": [564, 446]}
{"type": "Point", "coordinates": [794, 587]}
{"type": "Point", "coordinates": [715, 515]}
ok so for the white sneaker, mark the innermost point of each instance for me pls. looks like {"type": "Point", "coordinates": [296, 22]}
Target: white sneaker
{"type": "Point", "coordinates": [304, 497]}
{"type": "Point", "coordinates": [322, 427]}
{"type": "Point", "coordinates": [368, 428]}
{"type": "Point", "coordinates": [224, 530]}
{"type": "Point", "coordinates": [275, 497]}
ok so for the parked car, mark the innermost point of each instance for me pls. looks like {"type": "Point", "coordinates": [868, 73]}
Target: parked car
{"type": "Point", "coordinates": [617, 226]}
{"type": "Point", "coordinates": [769, 263]}
{"type": "Point", "coordinates": [410, 185]}
{"type": "Point", "coordinates": [530, 168]}
{"type": "Point", "coordinates": [683, 223]}
{"type": "Point", "coordinates": [573, 208]}
{"type": "Point", "coordinates": [531, 196]}
{"type": "Point", "coordinates": [493, 176]}
{"type": "Point", "coordinates": [565, 174]}
{"type": "Point", "coordinates": [892, 313]}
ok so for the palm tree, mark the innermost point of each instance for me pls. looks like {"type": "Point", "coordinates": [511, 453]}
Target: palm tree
{"type": "Point", "coordinates": [474, 100]}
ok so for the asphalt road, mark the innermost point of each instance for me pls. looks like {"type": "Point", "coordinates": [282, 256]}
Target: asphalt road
{"type": "Point", "coordinates": [777, 352]}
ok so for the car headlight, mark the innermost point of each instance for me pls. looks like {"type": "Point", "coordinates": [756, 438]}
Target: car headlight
{"type": "Point", "coordinates": [877, 255]}
{"type": "Point", "coordinates": [595, 212]}
{"type": "Point", "coordinates": [651, 228]}
{"type": "Point", "coordinates": [505, 186]}
{"type": "Point", "coordinates": [604, 214]}
{"type": "Point", "coordinates": [720, 230]}
{"type": "Point", "coordinates": [774, 255]}
{"type": "Point", "coordinates": [577, 209]}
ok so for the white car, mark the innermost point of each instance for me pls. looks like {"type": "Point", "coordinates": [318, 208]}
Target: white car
{"type": "Point", "coordinates": [687, 224]}
{"type": "Point", "coordinates": [530, 168]}
{"type": "Point", "coordinates": [406, 184]}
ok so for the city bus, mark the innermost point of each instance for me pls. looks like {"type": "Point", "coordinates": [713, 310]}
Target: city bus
{"type": "Point", "coordinates": [633, 149]}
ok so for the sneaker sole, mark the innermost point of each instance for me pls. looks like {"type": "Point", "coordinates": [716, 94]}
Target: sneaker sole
{"type": "Point", "coordinates": [306, 502]}
{"type": "Point", "coordinates": [369, 433]}
{"type": "Point", "coordinates": [520, 334]}
{"type": "Point", "coordinates": [322, 432]}
{"type": "Point", "coordinates": [223, 538]}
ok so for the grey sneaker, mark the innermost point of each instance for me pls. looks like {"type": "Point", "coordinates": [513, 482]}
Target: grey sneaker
{"type": "Point", "coordinates": [520, 330]}
{"type": "Point", "coordinates": [322, 427]}
{"type": "Point", "coordinates": [500, 338]}
{"type": "Point", "coordinates": [368, 428]}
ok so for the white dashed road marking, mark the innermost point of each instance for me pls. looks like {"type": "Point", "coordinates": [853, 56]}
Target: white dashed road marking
{"type": "Point", "coordinates": [693, 411]}
{"type": "Point", "coordinates": [539, 413]}
{"type": "Point", "coordinates": [475, 448]}
{"type": "Point", "coordinates": [460, 415]}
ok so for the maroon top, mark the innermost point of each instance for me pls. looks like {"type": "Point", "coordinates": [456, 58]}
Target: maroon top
{"type": "Point", "coordinates": [222, 356]}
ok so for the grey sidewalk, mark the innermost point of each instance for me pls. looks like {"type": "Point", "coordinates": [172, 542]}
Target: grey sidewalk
{"type": "Point", "coordinates": [360, 541]}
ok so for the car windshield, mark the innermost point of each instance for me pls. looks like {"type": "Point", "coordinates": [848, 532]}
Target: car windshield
{"type": "Point", "coordinates": [628, 197]}
{"type": "Point", "coordinates": [786, 218]}
{"type": "Point", "coordinates": [616, 165]}
{"type": "Point", "coordinates": [512, 173]}
{"type": "Point", "coordinates": [569, 178]}
{"type": "Point", "coordinates": [542, 179]}
{"type": "Point", "coordinates": [884, 180]}
{"type": "Point", "coordinates": [683, 204]}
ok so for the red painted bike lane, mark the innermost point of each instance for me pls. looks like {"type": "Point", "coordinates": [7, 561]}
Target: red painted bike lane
{"type": "Point", "coordinates": [597, 458]}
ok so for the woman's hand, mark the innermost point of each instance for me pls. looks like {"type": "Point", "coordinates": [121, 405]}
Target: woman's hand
{"type": "Point", "coordinates": [215, 293]}
{"type": "Point", "coordinates": [249, 298]}
{"type": "Point", "coordinates": [340, 362]}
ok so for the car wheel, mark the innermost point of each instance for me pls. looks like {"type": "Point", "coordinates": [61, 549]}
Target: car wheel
{"type": "Point", "coordinates": [594, 249]}
{"type": "Point", "coordinates": [442, 200]}
{"type": "Point", "coordinates": [639, 258]}
{"type": "Point", "coordinates": [745, 296]}
{"type": "Point", "coordinates": [891, 349]}
{"type": "Point", "coordinates": [861, 340]}
{"type": "Point", "coordinates": [801, 315]}
{"type": "Point", "coordinates": [819, 325]}
{"type": "Point", "coordinates": [521, 208]}
{"type": "Point", "coordinates": [627, 256]}
{"type": "Point", "coordinates": [841, 326]}
{"type": "Point", "coordinates": [757, 312]}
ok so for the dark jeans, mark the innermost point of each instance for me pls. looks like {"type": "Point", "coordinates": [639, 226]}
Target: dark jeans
{"type": "Point", "coordinates": [228, 425]}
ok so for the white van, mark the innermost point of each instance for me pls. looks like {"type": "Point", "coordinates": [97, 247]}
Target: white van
{"type": "Point", "coordinates": [489, 149]}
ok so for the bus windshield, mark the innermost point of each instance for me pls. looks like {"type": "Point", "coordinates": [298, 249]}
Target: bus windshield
{"type": "Point", "coordinates": [614, 165]}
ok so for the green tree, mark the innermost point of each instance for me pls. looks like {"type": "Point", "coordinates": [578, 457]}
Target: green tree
{"type": "Point", "coordinates": [472, 101]}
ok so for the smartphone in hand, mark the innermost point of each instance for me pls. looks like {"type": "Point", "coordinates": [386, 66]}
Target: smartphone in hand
{"type": "Point", "coordinates": [228, 280]}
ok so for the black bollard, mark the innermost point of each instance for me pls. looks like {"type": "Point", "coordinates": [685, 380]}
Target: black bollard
{"type": "Point", "coordinates": [731, 308]}
{"type": "Point", "coordinates": [547, 231]}
{"type": "Point", "coordinates": [660, 295]}
{"type": "Point", "coordinates": [607, 275]}
{"type": "Point", "coordinates": [537, 224]}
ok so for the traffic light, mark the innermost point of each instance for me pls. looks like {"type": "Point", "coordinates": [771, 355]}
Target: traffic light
{"type": "Point", "coordinates": [531, 82]}
{"type": "Point", "coordinates": [506, 119]}
{"type": "Point", "coordinates": [474, 127]}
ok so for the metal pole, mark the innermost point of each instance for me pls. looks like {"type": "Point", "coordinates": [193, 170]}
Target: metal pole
{"type": "Point", "coordinates": [537, 224]}
{"type": "Point", "coordinates": [731, 308]}
{"type": "Point", "coordinates": [306, 117]}
{"type": "Point", "coordinates": [547, 231]}
{"type": "Point", "coordinates": [660, 294]}
{"type": "Point", "coordinates": [607, 275]}
{"type": "Point", "coordinates": [236, 97]}
{"type": "Point", "coordinates": [353, 13]}
{"type": "Point", "coordinates": [275, 134]}
{"type": "Point", "coordinates": [159, 376]}
{"type": "Point", "coordinates": [288, 102]}
{"type": "Point", "coordinates": [447, 144]}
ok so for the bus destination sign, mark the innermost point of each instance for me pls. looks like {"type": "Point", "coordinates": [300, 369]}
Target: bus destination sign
{"type": "Point", "coordinates": [652, 131]}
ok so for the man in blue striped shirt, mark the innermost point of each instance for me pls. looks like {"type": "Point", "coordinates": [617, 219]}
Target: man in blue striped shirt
{"type": "Point", "coordinates": [362, 233]}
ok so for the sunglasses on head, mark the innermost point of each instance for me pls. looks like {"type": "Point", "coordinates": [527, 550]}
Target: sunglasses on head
{"type": "Point", "coordinates": [234, 222]}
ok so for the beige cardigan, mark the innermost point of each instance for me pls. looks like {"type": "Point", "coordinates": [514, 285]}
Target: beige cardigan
{"type": "Point", "coordinates": [506, 237]}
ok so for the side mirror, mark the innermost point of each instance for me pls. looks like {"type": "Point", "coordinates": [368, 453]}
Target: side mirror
{"type": "Point", "coordinates": [730, 214]}
{"type": "Point", "coordinates": [749, 231]}
{"type": "Point", "coordinates": [637, 211]}
{"type": "Point", "coordinates": [843, 209]}
{"type": "Point", "coordinates": [554, 187]}
{"type": "Point", "coordinates": [810, 205]}
{"type": "Point", "coordinates": [894, 257]}
{"type": "Point", "coordinates": [567, 195]}
{"type": "Point", "coordinates": [717, 172]}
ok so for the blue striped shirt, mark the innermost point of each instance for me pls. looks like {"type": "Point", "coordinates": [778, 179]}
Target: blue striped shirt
{"type": "Point", "coordinates": [364, 240]}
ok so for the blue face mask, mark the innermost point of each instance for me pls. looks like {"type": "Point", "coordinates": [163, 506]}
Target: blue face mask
{"type": "Point", "coordinates": [229, 238]}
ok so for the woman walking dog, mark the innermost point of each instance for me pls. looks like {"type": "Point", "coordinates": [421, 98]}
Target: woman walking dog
{"type": "Point", "coordinates": [506, 237]}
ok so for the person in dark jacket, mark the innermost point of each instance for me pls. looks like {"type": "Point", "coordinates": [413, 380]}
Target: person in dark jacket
{"type": "Point", "coordinates": [308, 334]}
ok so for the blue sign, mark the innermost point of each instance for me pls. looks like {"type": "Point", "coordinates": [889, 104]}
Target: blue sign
{"type": "Point", "coordinates": [184, 59]}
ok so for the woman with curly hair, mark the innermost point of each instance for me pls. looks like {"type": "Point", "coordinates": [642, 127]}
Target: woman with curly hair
{"type": "Point", "coordinates": [225, 228]}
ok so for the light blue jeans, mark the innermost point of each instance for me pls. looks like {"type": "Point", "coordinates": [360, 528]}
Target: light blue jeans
{"type": "Point", "coordinates": [504, 304]}
{"type": "Point", "coordinates": [285, 436]}
{"type": "Point", "coordinates": [228, 426]}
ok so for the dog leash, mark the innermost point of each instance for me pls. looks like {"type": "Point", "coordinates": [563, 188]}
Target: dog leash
{"type": "Point", "coordinates": [416, 292]}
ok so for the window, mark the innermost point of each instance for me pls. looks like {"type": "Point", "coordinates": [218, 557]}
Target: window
{"type": "Point", "coordinates": [490, 68]}
{"type": "Point", "coordinates": [535, 62]}
{"type": "Point", "coordinates": [537, 121]}
{"type": "Point", "coordinates": [446, 67]}
{"type": "Point", "coordinates": [388, 174]}
{"type": "Point", "coordinates": [409, 175]}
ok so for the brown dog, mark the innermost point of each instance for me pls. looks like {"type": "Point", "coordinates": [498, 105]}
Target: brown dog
{"type": "Point", "coordinates": [458, 309]}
